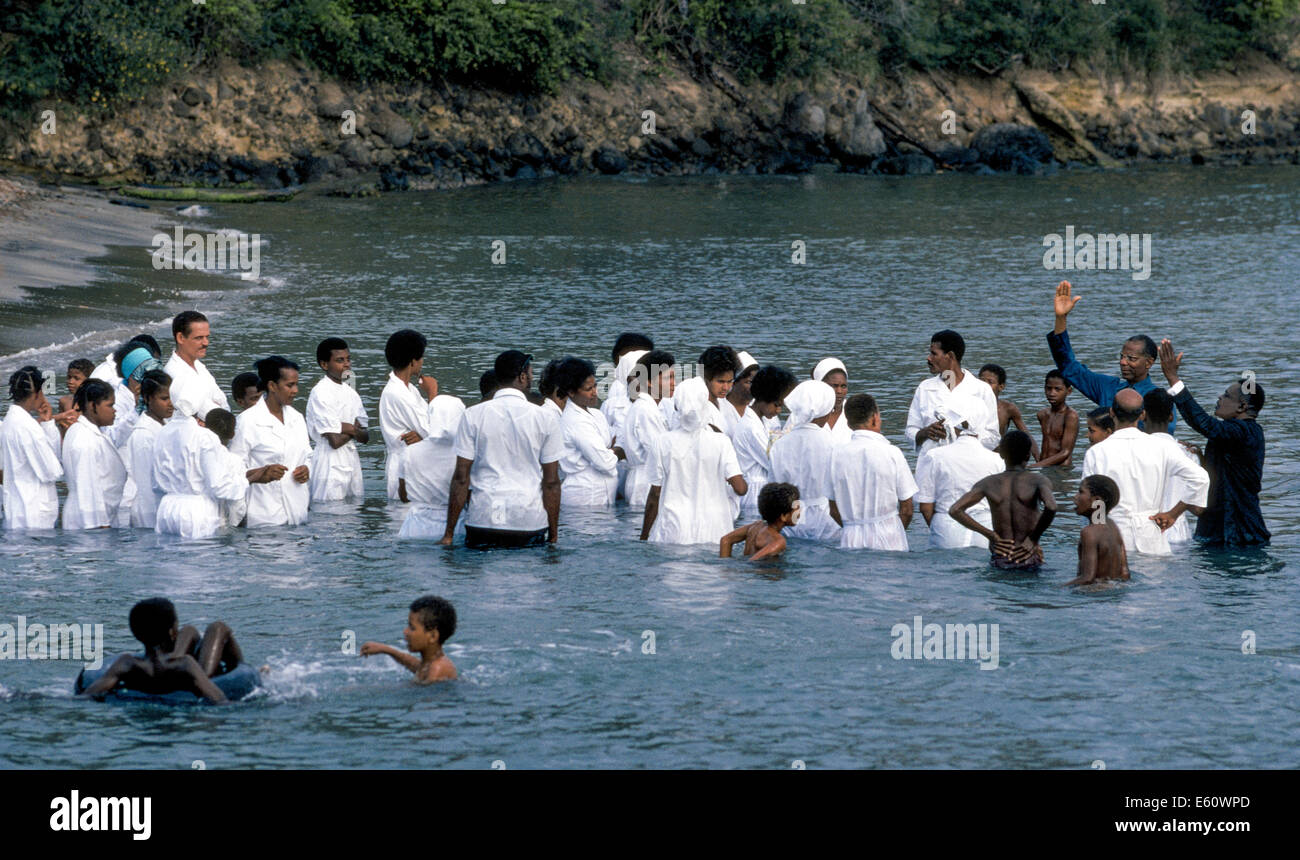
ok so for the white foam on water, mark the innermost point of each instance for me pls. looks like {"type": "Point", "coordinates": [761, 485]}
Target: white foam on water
{"type": "Point", "coordinates": [194, 211]}
{"type": "Point", "coordinates": [92, 341]}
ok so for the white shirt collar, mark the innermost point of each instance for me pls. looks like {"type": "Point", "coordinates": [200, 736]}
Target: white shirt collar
{"type": "Point", "coordinates": [509, 391]}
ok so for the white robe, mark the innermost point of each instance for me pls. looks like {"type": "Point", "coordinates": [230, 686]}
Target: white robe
{"type": "Point", "coordinates": [945, 473]}
{"type": "Point", "coordinates": [692, 469]}
{"type": "Point", "coordinates": [124, 421]}
{"type": "Point", "coordinates": [429, 467]}
{"type": "Point", "coordinates": [590, 465]}
{"type": "Point", "coordinates": [194, 475]}
{"type": "Point", "coordinates": [931, 398]}
{"type": "Point", "coordinates": [140, 457]}
{"type": "Point", "coordinates": [402, 408]}
{"type": "Point", "coordinates": [1181, 530]}
{"type": "Point", "coordinates": [29, 455]}
{"type": "Point", "coordinates": [1147, 472]}
{"type": "Point", "coordinates": [803, 457]}
{"type": "Point", "coordinates": [840, 433]}
{"type": "Point", "coordinates": [869, 477]}
{"type": "Point", "coordinates": [643, 427]}
{"type": "Point", "coordinates": [96, 477]}
{"type": "Point", "coordinates": [106, 370]}
{"type": "Point", "coordinates": [335, 472]}
{"type": "Point", "coordinates": [194, 391]}
{"type": "Point", "coordinates": [752, 439]}
{"type": "Point", "coordinates": [261, 439]}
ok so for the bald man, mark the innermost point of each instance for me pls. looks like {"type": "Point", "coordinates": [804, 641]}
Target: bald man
{"type": "Point", "coordinates": [1144, 469]}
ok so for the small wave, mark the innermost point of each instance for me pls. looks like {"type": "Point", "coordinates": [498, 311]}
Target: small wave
{"type": "Point", "coordinates": [87, 340]}
{"type": "Point", "coordinates": [194, 211]}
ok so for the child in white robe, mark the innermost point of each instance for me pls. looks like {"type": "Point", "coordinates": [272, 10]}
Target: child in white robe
{"type": "Point", "coordinates": [275, 449]}
{"type": "Point", "coordinates": [403, 408]}
{"type": "Point", "coordinates": [752, 433]}
{"type": "Point", "coordinates": [690, 471]}
{"type": "Point", "coordinates": [29, 455]}
{"type": "Point", "coordinates": [429, 467]}
{"type": "Point", "coordinates": [336, 422]}
{"type": "Point", "coordinates": [92, 464]}
{"type": "Point", "coordinates": [155, 396]}
{"type": "Point", "coordinates": [945, 473]}
{"type": "Point", "coordinates": [872, 485]}
{"type": "Point", "coordinates": [652, 383]}
{"type": "Point", "coordinates": [802, 456]}
{"type": "Point", "coordinates": [195, 475]}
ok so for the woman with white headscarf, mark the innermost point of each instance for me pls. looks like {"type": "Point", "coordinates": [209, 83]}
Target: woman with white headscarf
{"type": "Point", "coordinates": [650, 385]}
{"type": "Point", "coordinates": [832, 372]}
{"type": "Point", "coordinates": [690, 470]}
{"type": "Point", "coordinates": [803, 457]}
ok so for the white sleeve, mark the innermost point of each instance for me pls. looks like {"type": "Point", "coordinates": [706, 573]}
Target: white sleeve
{"type": "Point", "coordinates": [467, 437]}
{"type": "Point", "coordinates": [221, 476]}
{"type": "Point", "coordinates": [320, 417]}
{"type": "Point", "coordinates": [553, 444]}
{"type": "Point", "coordinates": [43, 456]}
{"type": "Point", "coordinates": [242, 446]}
{"type": "Point", "coordinates": [1089, 462]}
{"type": "Point", "coordinates": [925, 494]}
{"type": "Point", "coordinates": [904, 485]}
{"type": "Point", "coordinates": [730, 466]}
{"type": "Point", "coordinates": [589, 444]}
{"type": "Point", "coordinates": [989, 433]}
{"type": "Point", "coordinates": [657, 461]}
{"type": "Point", "coordinates": [915, 419]}
{"type": "Point", "coordinates": [1196, 481]}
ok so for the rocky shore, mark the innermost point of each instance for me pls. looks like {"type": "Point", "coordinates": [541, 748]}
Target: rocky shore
{"type": "Point", "coordinates": [281, 125]}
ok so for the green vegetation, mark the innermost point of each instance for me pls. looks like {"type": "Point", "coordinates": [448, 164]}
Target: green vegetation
{"type": "Point", "coordinates": [101, 52]}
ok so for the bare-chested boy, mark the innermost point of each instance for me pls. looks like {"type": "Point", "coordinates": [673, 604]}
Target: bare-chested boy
{"type": "Point", "coordinates": [1060, 423]}
{"type": "Point", "coordinates": [1008, 411]}
{"type": "Point", "coordinates": [174, 660]}
{"type": "Point", "coordinates": [430, 622]}
{"type": "Point", "coordinates": [1014, 498]}
{"type": "Point", "coordinates": [1101, 547]}
{"type": "Point", "coordinates": [778, 505]}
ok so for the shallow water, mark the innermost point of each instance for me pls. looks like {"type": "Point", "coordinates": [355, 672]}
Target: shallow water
{"type": "Point", "coordinates": [752, 667]}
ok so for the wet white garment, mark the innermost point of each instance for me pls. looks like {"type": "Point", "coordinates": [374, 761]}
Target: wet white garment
{"type": "Point", "coordinates": [643, 427]}
{"type": "Point", "coordinates": [335, 472]}
{"type": "Point", "coordinates": [802, 456]}
{"type": "Point", "coordinates": [509, 439]}
{"type": "Point", "coordinates": [1147, 471]}
{"type": "Point", "coordinates": [402, 408]}
{"type": "Point", "coordinates": [29, 455]}
{"type": "Point", "coordinates": [430, 464]}
{"type": "Point", "coordinates": [869, 477]}
{"type": "Point", "coordinates": [752, 438]}
{"type": "Point", "coordinates": [193, 473]}
{"type": "Point", "coordinates": [932, 397]}
{"type": "Point", "coordinates": [194, 391]}
{"type": "Point", "coordinates": [1181, 530]}
{"type": "Point", "coordinates": [945, 473]}
{"type": "Point", "coordinates": [261, 439]}
{"type": "Point", "coordinates": [96, 477]}
{"type": "Point", "coordinates": [140, 457]}
{"type": "Point", "coordinates": [107, 371]}
{"type": "Point", "coordinates": [590, 465]}
{"type": "Point", "coordinates": [691, 465]}
{"type": "Point", "coordinates": [124, 415]}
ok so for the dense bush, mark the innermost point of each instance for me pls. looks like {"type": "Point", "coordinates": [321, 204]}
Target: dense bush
{"type": "Point", "coordinates": [98, 52]}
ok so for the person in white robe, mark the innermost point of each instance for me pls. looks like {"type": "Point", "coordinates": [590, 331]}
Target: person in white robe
{"type": "Point", "coordinates": [925, 427]}
{"type": "Point", "coordinates": [693, 471]}
{"type": "Point", "coordinates": [404, 408]}
{"type": "Point", "coordinates": [833, 372]}
{"type": "Point", "coordinates": [193, 473]}
{"type": "Point", "coordinates": [29, 455]}
{"type": "Point", "coordinates": [590, 459]}
{"type": "Point", "coordinates": [126, 413]}
{"type": "Point", "coordinates": [1159, 408]}
{"type": "Point", "coordinates": [945, 473]}
{"type": "Point", "coordinates": [652, 383]}
{"type": "Point", "coordinates": [194, 391]}
{"type": "Point", "coordinates": [735, 405]}
{"type": "Point", "coordinates": [802, 456]}
{"type": "Point", "coordinates": [336, 422]}
{"type": "Point", "coordinates": [155, 396]}
{"type": "Point", "coordinates": [616, 406]}
{"type": "Point", "coordinates": [1147, 471]}
{"type": "Point", "coordinates": [92, 464]}
{"type": "Point", "coordinates": [430, 464]}
{"type": "Point", "coordinates": [752, 434]}
{"type": "Point", "coordinates": [871, 482]}
{"type": "Point", "coordinates": [271, 438]}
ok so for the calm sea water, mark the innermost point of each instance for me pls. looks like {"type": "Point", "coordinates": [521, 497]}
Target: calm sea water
{"type": "Point", "coordinates": [752, 666]}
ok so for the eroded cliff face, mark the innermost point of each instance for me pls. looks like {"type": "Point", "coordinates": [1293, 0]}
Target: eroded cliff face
{"type": "Point", "coordinates": [281, 124]}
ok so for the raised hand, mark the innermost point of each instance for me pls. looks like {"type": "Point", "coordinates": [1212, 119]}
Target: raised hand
{"type": "Point", "coordinates": [1169, 362]}
{"type": "Point", "coordinates": [1064, 301]}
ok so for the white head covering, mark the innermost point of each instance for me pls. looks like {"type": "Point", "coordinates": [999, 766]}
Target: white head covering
{"type": "Point", "coordinates": [692, 401]}
{"type": "Point", "coordinates": [810, 399]}
{"type": "Point", "coordinates": [746, 360]}
{"type": "Point", "coordinates": [825, 366]}
{"type": "Point", "coordinates": [627, 364]}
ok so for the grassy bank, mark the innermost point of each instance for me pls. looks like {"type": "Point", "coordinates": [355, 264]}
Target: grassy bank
{"type": "Point", "coordinates": [102, 52]}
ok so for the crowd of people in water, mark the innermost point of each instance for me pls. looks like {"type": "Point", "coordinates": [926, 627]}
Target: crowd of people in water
{"type": "Point", "coordinates": [143, 443]}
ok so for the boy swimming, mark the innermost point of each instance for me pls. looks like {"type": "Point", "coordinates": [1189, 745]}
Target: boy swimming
{"type": "Point", "coordinates": [1014, 498]}
{"type": "Point", "coordinates": [1101, 546]}
{"type": "Point", "coordinates": [174, 660]}
{"type": "Point", "coordinates": [778, 505]}
{"type": "Point", "coordinates": [430, 623]}
{"type": "Point", "coordinates": [1060, 423]}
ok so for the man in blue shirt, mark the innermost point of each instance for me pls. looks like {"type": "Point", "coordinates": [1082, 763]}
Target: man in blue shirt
{"type": "Point", "coordinates": [1135, 359]}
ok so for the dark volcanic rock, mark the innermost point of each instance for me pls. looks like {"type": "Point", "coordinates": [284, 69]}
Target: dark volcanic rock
{"type": "Point", "coordinates": [1013, 148]}
{"type": "Point", "coordinates": [911, 164]}
{"type": "Point", "coordinates": [607, 159]}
